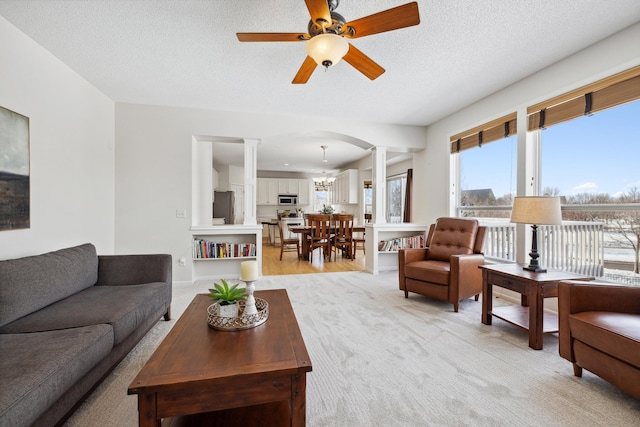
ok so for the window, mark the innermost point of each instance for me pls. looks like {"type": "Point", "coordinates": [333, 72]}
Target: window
{"type": "Point", "coordinates": [486, 172]}
{"type": "Point", "coordinates": [488, 178]}
{"type": "Point", "coordinates": [395, 197]}
{"type": "Point", "coordinates": [368, 197]}
{"type": "Point", "coordinates": [585, 150]}
{"type": "Point", "coordinates": [592, 164]}
{"type": "Point", "coordinates": [321, 198]}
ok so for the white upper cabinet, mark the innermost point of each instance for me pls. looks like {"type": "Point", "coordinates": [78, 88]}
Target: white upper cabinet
{"type": "Point", "coordinates": [345, 187]}
{"type": "Point", "coordinates": [267, 191]}
{"type": "Point", "coordinates": [288, 186]}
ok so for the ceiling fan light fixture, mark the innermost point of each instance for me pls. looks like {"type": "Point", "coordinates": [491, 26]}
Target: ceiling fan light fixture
{"type": "Point", "coordinates": [327, 49]}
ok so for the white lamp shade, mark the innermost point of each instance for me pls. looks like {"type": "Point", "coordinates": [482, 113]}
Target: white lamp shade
{"type": "Point", "coordinates": [536, 210]}
{"type": "Point", "coordinates": [327, 49]}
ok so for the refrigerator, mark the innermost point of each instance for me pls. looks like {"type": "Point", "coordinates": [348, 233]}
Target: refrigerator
{"type": "Point", "coordinates": [223, 206]}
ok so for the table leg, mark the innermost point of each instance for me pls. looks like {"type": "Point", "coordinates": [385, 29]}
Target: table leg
{"type": "Point", "coordinates": [536, 317]}
{"type": "Point", "coordinates": [487, 296]}
{"type": "Point", "coordinates": [147, 411]}
{"type": "Point", "coordinates": [298, 400]}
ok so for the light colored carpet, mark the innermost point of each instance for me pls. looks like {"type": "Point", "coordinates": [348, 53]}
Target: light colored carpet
{"type": "Point", "coordinates": [382, 360]}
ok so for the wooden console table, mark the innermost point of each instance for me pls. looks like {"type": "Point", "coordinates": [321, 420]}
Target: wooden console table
{"type": "Point", "coordinates": [533, 288]}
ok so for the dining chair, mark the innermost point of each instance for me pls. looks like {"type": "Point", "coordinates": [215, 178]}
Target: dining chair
{"type": "Point", "coordinates": [287, 244]}
{"type": "Point", "coordinates": [342, 236]}
{"type": "Point", "coordinates": [320, 236]}
{"type": "Point", "coordinates": [358, 240]}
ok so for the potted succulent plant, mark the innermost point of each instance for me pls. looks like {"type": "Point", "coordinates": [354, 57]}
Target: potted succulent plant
{"type": "Point", "coordinates": [227, 298]}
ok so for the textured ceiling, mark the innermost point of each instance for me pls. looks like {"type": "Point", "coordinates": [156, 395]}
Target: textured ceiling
{"type": "Point", "coordinates": [185, 53]}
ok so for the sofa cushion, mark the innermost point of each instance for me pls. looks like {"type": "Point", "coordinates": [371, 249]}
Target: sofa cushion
{"type": "Point", "coordinates": [123, 307]}
{"type": "Point", "coordinates": [429, 271]}
{"type": "Point", "coordinates": [48, 364]}
{"type": "Point", "coordinates": [452, 236]}
{"type": "Point", "coordinates": [617, 334]}
{"type": "Point", "coordinates": [31, 283]}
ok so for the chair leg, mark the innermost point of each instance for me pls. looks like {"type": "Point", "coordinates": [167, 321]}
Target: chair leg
{"type": "Point", "coordinates": [577, 370]}
{"type": "Point", "coordinates": [477, 296]}
{"type": "Point", "coordinates": [455, 306]}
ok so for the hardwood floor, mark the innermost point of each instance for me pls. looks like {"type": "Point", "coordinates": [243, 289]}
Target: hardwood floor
{"type": "Point", "coordinates": [290, 264]}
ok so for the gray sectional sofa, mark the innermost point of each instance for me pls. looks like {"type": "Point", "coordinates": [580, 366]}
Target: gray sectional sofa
{"type": "Point", "coordinates": [67, 318]}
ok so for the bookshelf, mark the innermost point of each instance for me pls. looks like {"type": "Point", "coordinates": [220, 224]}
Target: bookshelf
{"type": "Point", "coordinates": [217, 251]}
{"type": "Point", "coordinates": [393, 235]}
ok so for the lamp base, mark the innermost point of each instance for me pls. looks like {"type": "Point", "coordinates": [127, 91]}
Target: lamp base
{"type": "Point", "coordinates": [534, 268]}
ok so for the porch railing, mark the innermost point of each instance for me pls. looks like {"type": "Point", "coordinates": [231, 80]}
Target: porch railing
{"type": "Point", "coordinates": [573, 246]}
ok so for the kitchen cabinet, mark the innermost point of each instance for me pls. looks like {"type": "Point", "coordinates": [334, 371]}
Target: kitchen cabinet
{"type": "Point", "coordinates": [288, 186]}
{"type": "Point", "coordinates": [270, 188]}
{"type": "Point", "coordinates": [345, 187]}
{"type": "Point", "coordinates": [267, 191]}
{"type": "Point", "coordinates": [304, 192]}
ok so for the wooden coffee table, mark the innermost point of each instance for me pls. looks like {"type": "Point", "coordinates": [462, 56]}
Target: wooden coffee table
{"type": "Point", "coordinates": [254, 376]}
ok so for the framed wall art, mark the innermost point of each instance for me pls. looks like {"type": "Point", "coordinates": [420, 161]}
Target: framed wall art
{"type": "Point", "coordinates": [14, 171]}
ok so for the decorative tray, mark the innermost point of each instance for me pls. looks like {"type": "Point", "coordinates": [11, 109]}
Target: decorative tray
{"type": "Point", "coordinates": [240, 322]}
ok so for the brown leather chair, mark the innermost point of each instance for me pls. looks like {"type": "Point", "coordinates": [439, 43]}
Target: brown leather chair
{"type": "Point", "coordinates": [599, 330]}
{"type": "Point", "coordinates": [447, 269]}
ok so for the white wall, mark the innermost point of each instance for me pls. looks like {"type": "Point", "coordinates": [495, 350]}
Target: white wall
{"type": "Point", "coordinates": [153, 166]}
{"type": "Point", "coordinates": [432, 166]}
{"type": "Point", "coordinates": [71, 149]}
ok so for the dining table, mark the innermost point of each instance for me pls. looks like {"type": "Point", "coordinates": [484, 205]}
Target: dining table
{"type": "Point", "coordinates": [305, 230]}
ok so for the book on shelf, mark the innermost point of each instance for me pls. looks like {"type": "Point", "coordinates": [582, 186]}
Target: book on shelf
{"type": "Point", "coordinates": [204, 249]}
{"type": "Point", "coordinates": [393, 245]}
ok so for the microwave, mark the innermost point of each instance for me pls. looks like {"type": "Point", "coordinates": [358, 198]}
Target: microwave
{"type": "Point", "coordinates": [287, 200]}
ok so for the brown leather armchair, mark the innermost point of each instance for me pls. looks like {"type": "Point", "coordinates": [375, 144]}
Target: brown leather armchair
{"type": "Point", "coordinates": [447, 269]}
{"type": "Point", "coordinates": [599, 330]}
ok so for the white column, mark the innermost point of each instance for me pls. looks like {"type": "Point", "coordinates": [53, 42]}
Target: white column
{"type": "Point", "coordinates": [379, 180]}
{"type": "Point", "coordinates": [250, 180]}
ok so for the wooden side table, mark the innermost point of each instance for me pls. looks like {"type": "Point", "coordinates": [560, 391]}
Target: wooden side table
{"type": "Point", "coordinates": [533, 288]}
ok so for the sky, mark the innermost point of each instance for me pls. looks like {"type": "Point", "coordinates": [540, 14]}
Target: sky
{"type": "Point", "coordinates": [593, 154]}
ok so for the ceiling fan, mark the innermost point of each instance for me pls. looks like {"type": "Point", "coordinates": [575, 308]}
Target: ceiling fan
{"type": "Point", "coordinates": [328, 32]}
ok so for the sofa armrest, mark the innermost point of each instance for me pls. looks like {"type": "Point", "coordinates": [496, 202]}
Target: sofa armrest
{"type": "Point", "coordinates": [578, 296]}
{"type": "Point", "coordinates": [599, 296]}
{"type": "Point", "coordinates": [405, 256]}
{"type": "Point", "coordinates": [117, 270]}
{"type": "Point", "coordinates": [466, 277]}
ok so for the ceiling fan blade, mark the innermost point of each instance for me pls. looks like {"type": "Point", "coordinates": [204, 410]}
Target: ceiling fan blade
{"type": "Point", "coordinates": [319, 10]}
{"type": "Point", "coordinates": [272, 37]}
{"type": "Point", "coordinates": [391, 19]}
{"type": "Point", "coordinates": [363, 63]}
{"type": "Point", "coordinates": [305, 71]}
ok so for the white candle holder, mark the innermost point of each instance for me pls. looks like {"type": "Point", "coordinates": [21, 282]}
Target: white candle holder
{"type": "Point", "coordinates": [250, 302]}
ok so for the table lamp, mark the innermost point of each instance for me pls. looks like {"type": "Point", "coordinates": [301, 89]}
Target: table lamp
{"type": "Point", "coordinates": [536, 211]}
